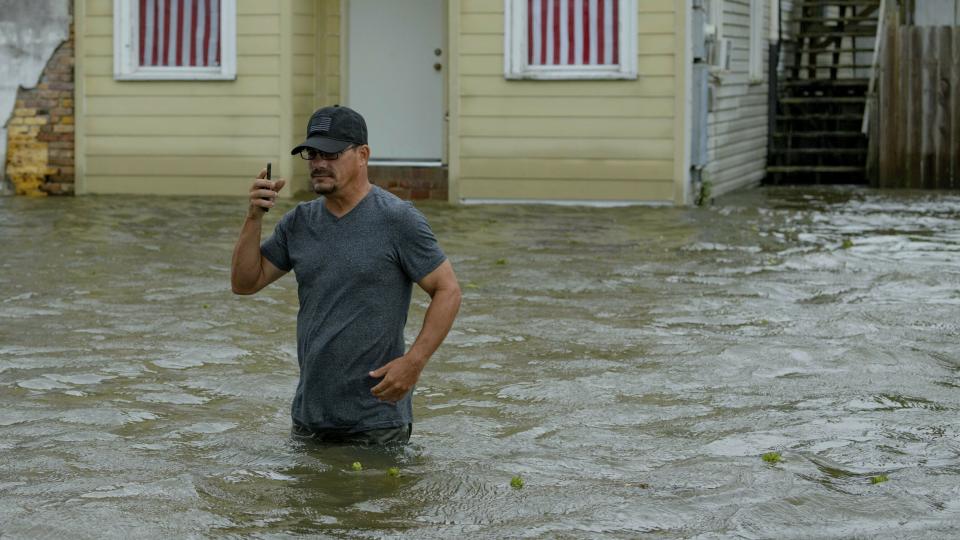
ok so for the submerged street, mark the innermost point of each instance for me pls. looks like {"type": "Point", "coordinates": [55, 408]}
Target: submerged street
{"type": "Point", "coordinates": [630, 364]}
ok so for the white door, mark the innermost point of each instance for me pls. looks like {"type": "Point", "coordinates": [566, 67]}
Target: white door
{"type": "Point", "coordinates": [395, 71]}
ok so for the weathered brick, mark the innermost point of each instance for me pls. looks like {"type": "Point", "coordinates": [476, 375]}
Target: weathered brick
{"type": "Point", "coordinates": [421, 183]}
{"type": "Point", "coordinates": [403, 193]}
{"type": "Point", "coordinates": [58, 188]}
{"type": "Point", "coordinates": [40, 155]}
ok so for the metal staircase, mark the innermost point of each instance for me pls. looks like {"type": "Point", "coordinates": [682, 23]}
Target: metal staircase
{"type": "Point", "coordinates": [822, 94]}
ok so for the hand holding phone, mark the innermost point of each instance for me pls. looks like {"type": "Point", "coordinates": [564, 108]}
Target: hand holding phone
{"type": "Point", "coordinates": [265, 209]}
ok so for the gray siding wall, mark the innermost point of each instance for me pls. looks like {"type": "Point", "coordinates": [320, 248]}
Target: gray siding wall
{"type": "Point", "coordinates": [737, 128]}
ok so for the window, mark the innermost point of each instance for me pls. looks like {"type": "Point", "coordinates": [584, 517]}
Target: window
{"type": "Point", "coordinates": [174, 39]}
{"type": "Point", "coordinates": [570, 39]}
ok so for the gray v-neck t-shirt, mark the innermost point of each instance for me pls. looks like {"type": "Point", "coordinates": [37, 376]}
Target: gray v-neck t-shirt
{"type": "Point", "coordinates": [354, 281]}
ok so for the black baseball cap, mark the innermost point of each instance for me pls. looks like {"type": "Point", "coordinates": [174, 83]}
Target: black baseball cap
{"type": "Point", "coordinates": [332, 129]}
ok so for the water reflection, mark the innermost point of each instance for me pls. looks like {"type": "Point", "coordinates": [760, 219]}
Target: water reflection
{"type": "Point", "coordinates": [631, 364]}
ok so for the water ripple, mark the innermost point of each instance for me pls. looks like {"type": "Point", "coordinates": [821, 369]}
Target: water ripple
{"type": "Point", "coordinates": [631, 365]}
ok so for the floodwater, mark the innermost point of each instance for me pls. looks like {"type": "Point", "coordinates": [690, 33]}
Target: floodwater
{"type": "Point", "coordinates": [630, 364]}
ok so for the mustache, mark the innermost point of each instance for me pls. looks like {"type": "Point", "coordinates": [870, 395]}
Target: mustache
{"type": "Point", "coordinates": [320, 172]}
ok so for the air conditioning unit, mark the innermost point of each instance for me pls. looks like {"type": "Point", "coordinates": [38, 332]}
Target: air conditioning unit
{"type": "Point", "coordinates": [721, 52]}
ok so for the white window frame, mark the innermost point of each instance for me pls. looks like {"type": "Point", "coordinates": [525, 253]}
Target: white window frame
{"type": "Point", "coordinates": [756, 41]}
{"type": "Point", "coordinates": [126, 37]}
{"type": "Point", "coordinates": [515, 48]}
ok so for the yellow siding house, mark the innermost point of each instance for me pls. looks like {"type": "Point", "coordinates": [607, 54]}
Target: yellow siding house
{"type": "Point", "coordinates": [506, 100]}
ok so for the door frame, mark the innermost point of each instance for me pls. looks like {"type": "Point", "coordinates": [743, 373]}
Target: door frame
{"type": "Point", "coordinates": [445, 111]}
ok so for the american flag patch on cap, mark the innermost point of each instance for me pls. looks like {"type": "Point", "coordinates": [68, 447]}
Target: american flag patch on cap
{"type": "Point", "coordinates": [321, 124]}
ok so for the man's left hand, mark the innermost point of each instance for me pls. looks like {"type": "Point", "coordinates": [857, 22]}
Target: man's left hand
{"type": "Point", "coordinates": [399, 376]}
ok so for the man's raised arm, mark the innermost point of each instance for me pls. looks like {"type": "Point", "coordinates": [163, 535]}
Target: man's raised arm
{"type": "Point", "coordinates": [250, 271]}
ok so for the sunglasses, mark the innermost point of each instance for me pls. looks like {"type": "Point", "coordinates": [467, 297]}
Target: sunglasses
{"type": "Point", "coordinates": [310, 154]}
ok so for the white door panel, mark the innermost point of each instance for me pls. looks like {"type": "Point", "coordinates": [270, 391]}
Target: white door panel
{"type": "Point", "coordinates": [392, 80]}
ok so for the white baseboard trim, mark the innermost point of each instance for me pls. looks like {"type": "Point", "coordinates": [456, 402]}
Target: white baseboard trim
{"type": "Point", "coordinates": [595, 204]}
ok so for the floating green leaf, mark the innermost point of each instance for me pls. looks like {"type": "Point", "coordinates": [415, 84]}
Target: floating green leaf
{"type": "Point", "coordinates": [357, 466]}
{"type": "Point", "coordinates": [847, 243]}
{"type": "Point", "coordinates": [501, 261]}
{"type": "Point", "coordinates": [880, 478]}
{"type": "Point", "coordinates": [771, 457]}
{"type": "Point", "coordinates": [393, 471]}
{"type": "Point", "coordinates": [516, 482]}
{"type": "Point", "coordinates": [706, 189]}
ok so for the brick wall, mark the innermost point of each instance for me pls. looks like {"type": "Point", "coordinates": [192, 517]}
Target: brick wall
{"type": "Point", "coordinates": [411, 183]}
{"type": "Point", "coordinates": [40, 131]}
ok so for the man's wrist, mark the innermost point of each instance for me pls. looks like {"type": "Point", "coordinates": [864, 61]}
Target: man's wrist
{"type": "Point", "coordinates": [417, 360]}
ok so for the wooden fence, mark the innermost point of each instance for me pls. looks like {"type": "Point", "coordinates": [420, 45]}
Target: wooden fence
{"type": "Point", "coordinates": [916, 136]}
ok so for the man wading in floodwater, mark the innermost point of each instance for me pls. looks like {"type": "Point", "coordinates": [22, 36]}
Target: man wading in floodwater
{"type": "Point", "coordinates": [356, 253]}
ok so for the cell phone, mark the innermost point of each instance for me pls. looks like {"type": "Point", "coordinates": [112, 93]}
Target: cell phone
{"type": "Point", "coordinates": [268, 178]}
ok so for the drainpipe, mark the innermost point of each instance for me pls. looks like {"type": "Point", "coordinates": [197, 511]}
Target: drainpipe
{"type": "Point", "coordinates": [699, 113]}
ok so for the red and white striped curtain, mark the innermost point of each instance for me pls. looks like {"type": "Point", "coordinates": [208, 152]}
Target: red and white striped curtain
{"type": "Point", "coordinates": [573, 32]}
{"type": "Point", "coordinates": [178, 33]}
